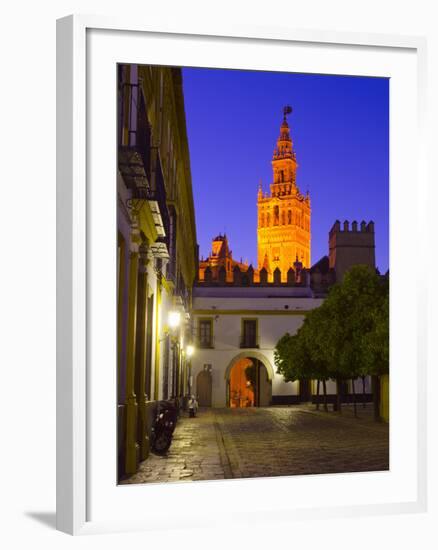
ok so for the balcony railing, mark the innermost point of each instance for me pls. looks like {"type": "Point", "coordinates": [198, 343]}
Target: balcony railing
{"type": "Point", "coordinates": [139, 162]}
{"type": "Point", "coordinates": [157, 194]}
{"type": "Point", "coordinates": [205, 344]}
{"type": "Point", "coordinates": [134, 137]}
{"type": "Point", "coordinates": [181, 295]}
{"type": "Point", "coordinates": [249, 343]}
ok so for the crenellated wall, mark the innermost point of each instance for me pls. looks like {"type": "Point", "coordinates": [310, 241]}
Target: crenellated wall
{"type": "Point", "coordinates": [319, 280]}
{"type": "Point", "coordinates": [351, 245]}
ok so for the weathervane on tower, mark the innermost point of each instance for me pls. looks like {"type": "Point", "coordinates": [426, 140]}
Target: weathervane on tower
{"type": "Point", "coordinates": [287, 109]}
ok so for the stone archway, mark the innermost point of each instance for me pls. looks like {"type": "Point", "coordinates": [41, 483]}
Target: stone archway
{"type": "Point", "coordinates": [249, 381]}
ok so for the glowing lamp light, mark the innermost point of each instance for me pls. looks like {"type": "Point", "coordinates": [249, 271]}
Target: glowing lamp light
{"type": "Point", "coordinates": [174, 319]}
{"type": "Point", "coordinates": [190, 350]}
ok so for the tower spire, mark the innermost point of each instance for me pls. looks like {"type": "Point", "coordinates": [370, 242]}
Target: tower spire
{"type": "Point", "coordinates": [283, 226]}
{"type": "Point", "coordinates": [284, 147]}
{"type": "Point", "coordinates": [260, 189]}
{"type": "Point", "coordinates": [284, 164]}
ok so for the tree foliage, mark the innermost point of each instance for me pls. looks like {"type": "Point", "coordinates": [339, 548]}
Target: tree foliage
{"type": "Point", "coordinates": [251, 375]}
{"type": "Point", "coordinates": [346, 337]}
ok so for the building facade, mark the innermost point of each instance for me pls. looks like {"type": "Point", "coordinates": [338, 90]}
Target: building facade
{"type": "Point", "coordinates": [237, 328]}
{"type": "Point", "coordinates": [156, 252]}
{"type": "Point", "coordinates": [220, 261]}
{"type": "Point", "coordinates": [238, 322]}
{"type": "Point", "coordinates": [284, 214]}
{"type": "Point", "coordinates": [240, 312]}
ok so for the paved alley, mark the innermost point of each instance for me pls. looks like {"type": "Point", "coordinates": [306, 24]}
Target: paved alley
{"type": "Point", "coordinates": [259, 442]}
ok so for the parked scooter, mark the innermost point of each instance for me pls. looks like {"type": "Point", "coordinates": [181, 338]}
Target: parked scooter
{"type": "Point", "coordinates": [193, 406]}
{"type": "Point", "coordinates": [163, 428]}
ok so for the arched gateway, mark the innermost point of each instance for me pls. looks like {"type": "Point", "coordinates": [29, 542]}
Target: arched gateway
{"type": "Point", "coordinates": [249, 381]}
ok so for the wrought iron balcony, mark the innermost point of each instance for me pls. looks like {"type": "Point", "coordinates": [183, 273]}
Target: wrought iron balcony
{"type": "Point", "coordinates": [249, 343]}
{"type": "Point", "coordinates": [181, 293]}
{"type": "Point", "coordinates": [139, 163]}
{"type": "Point", "coordinates": [134, 159]}
{"type": "Point", "coordinates": [158, 204]}
{"type": "Point", "coordinates": [205, 344]}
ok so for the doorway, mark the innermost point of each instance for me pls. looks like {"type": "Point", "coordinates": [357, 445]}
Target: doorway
{"type": "Point", "coordinates": [204, 388]}
{"type": "Point", "coordinates": [249, 384]}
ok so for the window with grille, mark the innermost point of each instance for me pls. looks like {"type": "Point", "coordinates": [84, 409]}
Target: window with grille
{"type": "Point", "coordinates": [205, 333]}
{"type": "Point", "coordinates": [249, 333]}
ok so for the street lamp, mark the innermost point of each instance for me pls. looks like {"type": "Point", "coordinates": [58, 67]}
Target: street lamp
{"type": "Point", "coordinates": [190, 350]}
{"type": "Point", "coordinates": [170, 333]}
{"type": "Point", "coordinates": [174, 319]}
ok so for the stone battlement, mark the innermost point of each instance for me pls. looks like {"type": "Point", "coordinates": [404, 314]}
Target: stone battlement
{"type": "Point", "coordinates": [301, 277]}
{"type": "Point", "coordinates": [345, 228]}
{"type": "Point", "coordinates": [350, 246]}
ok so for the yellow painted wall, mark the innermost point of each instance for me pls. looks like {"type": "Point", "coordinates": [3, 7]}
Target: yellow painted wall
{"type": "Point", "coordinates": [384, 397]}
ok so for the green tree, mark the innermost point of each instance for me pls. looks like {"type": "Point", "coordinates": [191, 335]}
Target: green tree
{"type": "Point", "coordinates": [356, 308]}
{"type": "Point", "coordinates": [313, 333]}
{"type": "Point", "coordinates": [289, 356]}
{"type": "Point", "coordinates": [345, 338]}
{"type": "Point", "coordinates": [251, 375]}
{"type": "Point", "coordinates": [375, 346]}
{"type": "Point", "coordinates": [296, 357]}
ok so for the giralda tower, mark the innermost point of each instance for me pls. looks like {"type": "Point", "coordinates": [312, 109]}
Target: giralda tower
{"type": "Point", "coordinates": [283, 226]}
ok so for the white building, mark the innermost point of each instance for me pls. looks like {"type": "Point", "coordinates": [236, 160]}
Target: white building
{"type": "Point", "coordinates": [237, 327]}
{"type": "Point", "coordinates": [238, 320]}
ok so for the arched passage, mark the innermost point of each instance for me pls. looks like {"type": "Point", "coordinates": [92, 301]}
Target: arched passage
{"type": "Point", "coordinates": [249, 381]}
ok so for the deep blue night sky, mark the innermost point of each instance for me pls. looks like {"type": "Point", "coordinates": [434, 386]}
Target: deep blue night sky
{"type": "Point", "coordinates": [340, 130]}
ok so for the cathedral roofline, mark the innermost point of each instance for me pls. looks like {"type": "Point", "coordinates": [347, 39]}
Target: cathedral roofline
{"type": "Point", "coordinates": [220, 237]}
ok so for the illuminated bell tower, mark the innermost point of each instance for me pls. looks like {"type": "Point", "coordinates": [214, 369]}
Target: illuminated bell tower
{"type": "Point", "coordinates": [283, 225]}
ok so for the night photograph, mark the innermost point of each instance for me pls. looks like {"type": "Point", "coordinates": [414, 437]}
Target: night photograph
{"type": "Point", "coordinates": [252, 274]}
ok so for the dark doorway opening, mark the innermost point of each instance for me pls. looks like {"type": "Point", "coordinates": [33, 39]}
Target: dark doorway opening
{"type": "Point", "coordinates": [204, 388]}
{"type": "Point", "coordinates": [305, 391]}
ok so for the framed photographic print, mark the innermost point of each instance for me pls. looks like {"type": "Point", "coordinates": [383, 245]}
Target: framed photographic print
{"type": "Point", "coordinates": [237, 313]}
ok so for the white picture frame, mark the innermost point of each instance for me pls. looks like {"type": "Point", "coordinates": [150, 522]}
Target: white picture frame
{"type": "Point", "coordinates": [77, 214]}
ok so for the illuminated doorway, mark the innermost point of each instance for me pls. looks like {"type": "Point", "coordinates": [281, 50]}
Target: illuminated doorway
{"type": "Point", "coordinates": [249, 384]}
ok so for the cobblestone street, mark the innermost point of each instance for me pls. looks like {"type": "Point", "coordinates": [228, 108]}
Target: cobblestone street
{"type": "Point", "coordinates": [259, 442]}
